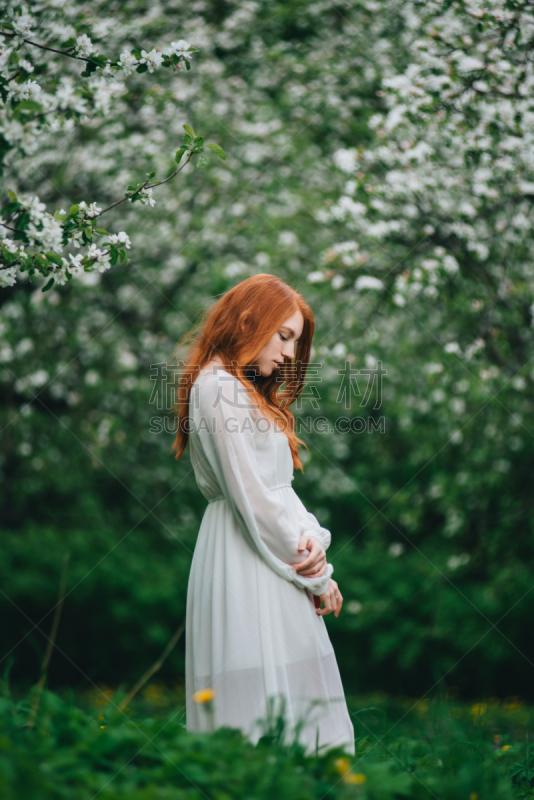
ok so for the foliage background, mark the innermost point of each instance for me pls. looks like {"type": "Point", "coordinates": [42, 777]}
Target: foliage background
{"type": "Point", "coordinates": [432, 519]}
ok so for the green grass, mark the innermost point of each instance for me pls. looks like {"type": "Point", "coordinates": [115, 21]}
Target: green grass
{"type": "Point", "coordinates": [83, 747]}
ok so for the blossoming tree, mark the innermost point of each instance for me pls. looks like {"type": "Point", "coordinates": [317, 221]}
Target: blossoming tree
{"type": "Point", "coordinates": [42, 95]}
{"type": "Point", "coordinates": [357, 144]}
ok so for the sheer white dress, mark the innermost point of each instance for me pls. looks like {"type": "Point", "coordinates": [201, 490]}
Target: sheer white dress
{"type": "Point", "coordinates": [252, 632]}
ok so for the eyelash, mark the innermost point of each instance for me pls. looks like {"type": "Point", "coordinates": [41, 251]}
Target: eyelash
{"type": "Point", "coordinates": [284, 338]}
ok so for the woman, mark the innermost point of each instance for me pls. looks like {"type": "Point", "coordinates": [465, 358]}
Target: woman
{"type": "Point", "coordinates": [255, 632]}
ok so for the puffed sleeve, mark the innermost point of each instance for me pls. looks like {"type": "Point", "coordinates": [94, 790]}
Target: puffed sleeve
{"type": "Point", "coordinates": [310, 525]}
{"type": "Point", "coordinates": [226, 432]}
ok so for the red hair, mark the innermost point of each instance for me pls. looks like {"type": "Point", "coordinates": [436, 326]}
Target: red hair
{"type": "Point", "coordinates": [235, 329]}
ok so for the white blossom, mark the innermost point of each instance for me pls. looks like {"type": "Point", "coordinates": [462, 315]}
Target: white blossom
{"type": "Point", "coordinates": [91, 210]}
{"type": "Point", "coordinates": [101, 258]}
{"type": "Point", "coordinates": [368, 282]}
{"type": "Point", "coordinates": [84, 45]}
{"type": "Point", "coordinates": [120, 238]}
{"type": "Point", "coordinates": [75, 266]}
{"type": "Point", "coordinates": [345, 160]}
{"type": "Point", "coordinates": [30, 90]}
{"type": "Point", "coordinates": [180, 48]}
{"type": "Point", "coordinates": [128, 63]}
{"type": "Point", "coordinates": [453, 562]}
{"type": "Point", "coordinates": [8, 276]}
{"type": "Point", "coordinates": [152, 60]}
{"type": "Point", "coordinates": [145, 195]}
{"type": "Point", "coordinates": [452, 347]}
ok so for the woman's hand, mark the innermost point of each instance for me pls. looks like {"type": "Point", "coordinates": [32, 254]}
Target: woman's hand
{"type": "Point", "coordinates": [315, 564]}
{"type": "Point", "coordinates": [332, 599]}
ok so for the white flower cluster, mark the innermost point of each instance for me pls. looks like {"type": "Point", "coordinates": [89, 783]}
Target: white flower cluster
{"type": "Point", "coordinates": [92, 210]}
{"type": "Point", "coordinates": [84, 46]}
{"type": "Point", "coordinates": [153, 59]}
{"type": "Point", "coordinates": [146, 196]}
{"type": "Point", "coordinates": [55, 88]}
{"type": "Point", "coordinates": [45, 234]}
{"type": "Point", "coordinates": [455, 141]}
{"type": "Point", "coordinates": [55, 91]}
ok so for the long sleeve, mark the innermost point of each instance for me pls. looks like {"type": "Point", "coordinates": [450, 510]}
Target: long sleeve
{"type": "Point", "coordinates": [226, 432]}
{"type": "Point", "coordinates": [310, 525]}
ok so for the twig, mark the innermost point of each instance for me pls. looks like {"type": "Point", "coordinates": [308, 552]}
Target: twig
{"type": "Point", "coordinates": [51, 640]}
{"type": "Point", "coordinates": [144, 186]}
{"type": "Point", "coordinates": [154, 668]}
{"type": "Point", "coordinates": [50, 49]}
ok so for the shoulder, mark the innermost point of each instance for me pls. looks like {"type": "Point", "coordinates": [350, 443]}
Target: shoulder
{"type": "Point", "coordinates": [221, 391]}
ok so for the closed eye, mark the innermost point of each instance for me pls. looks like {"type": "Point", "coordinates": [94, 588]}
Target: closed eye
{"type": "Point", "coordinates": [284, 338]}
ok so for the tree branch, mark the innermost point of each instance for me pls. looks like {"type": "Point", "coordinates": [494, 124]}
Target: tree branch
{"type": "Point", "coordinates": [50, 49]}
{"type": "Point", "coordinates": [144, 186]}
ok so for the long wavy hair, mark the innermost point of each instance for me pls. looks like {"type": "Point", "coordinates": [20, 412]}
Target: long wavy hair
{"type": "Point", "coordinates": [235, 329]}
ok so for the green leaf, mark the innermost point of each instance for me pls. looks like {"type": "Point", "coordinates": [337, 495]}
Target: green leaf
{"type": "Point", "coordinates": [54, 258]}
{"type": "Point", "coordinates": [114, 255]}
{"type": "Point", "coordinates": [150, 175]}
{"type": "Point", "coordinates": [179, 153]}
{"type": "Point", "coordinates": [202, 162]}
{"type": "Point", "coordinates": [68, 43]}
{"type": "Point", "coordinates": [13, 206]}
{"type": "Point", "coordinates": [100, 61]}
{"type": "Point", "coordinates": [23, 221]}
{"type": "Point", "coordinates": [187, 64]}
{"type": "Point", "coordinates": [142, 68]}
{"type": "Point", "coordinates": [217, 149]}
{"type": "Point", "coordinates": [27, 107]}
{"type": "Point", "coordinates": [89, 68]}
{"type": "Point", "coordinates": [189, 130]}
{"type": "Point", "coordinates": [12, 195]}
{"type": "Point", "coordinates": [48, 286]}
{"type": "Point", "coordinates": [74, 209]}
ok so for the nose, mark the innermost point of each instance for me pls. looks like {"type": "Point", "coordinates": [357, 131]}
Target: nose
{"type": "Point", "coordinates": [288, 351]}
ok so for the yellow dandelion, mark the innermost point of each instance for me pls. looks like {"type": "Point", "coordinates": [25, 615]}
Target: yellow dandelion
{"type": "Point", "coordinates": [513, 702]}
{"type": "Point", "coordinates": [342, 765]}
{"type": "Point", "coordinates": [506, 746]}
{"type": "Point", "coordinates": [204, 695]}
{"type": "Point", "coordinates": [478, 711]}
{"type": "Point", "coordinates": [354, 778]}
{"type": "Point", "coordinates": [473, 796]}
{"type": "Point", "coordinates": [102, 726]}
{"type": "Point", "coordinates": [153, 692]}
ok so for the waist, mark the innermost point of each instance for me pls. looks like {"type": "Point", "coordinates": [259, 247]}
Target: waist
{"type": "Point", "coordinates": [269, 489]}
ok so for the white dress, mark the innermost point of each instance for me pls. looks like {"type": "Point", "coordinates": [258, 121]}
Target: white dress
{"type": "Point", "coordinates": [252, 632]}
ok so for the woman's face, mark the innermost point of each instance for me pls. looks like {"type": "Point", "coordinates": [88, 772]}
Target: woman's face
{"type": "Point", "coordinates": [281, 346]}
